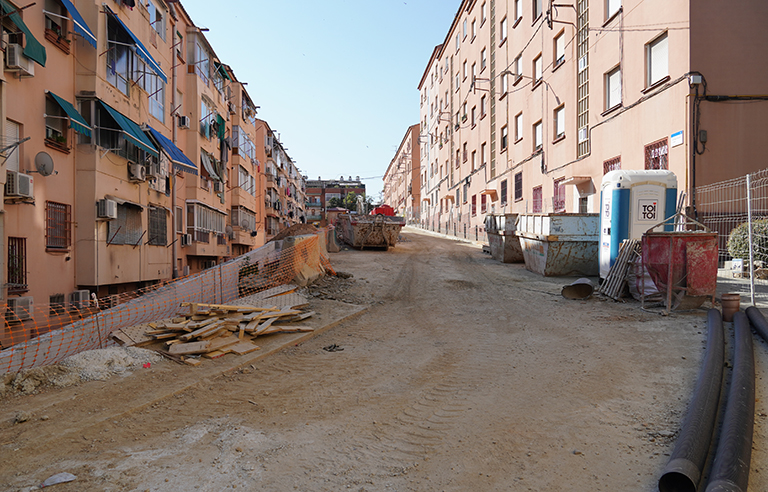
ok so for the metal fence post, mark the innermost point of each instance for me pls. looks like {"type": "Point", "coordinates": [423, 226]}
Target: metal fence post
{"type": "Point", "coordinates": [751, 240]}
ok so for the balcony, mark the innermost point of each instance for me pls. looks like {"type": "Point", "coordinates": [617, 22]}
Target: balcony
{"type": "Point", "coordinates": [272, 182]}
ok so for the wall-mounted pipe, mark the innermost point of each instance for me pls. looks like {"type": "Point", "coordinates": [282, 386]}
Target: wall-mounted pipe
{"type": "Point", "coordinates": [683, 472]}
{"type": "Point", "coordinates": [730, 471]}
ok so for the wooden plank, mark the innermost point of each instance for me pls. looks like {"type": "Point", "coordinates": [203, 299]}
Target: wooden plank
{"type": "Point", "coordinates": [190, 348]}
{"type": "Point", "coordinates": [192, 362]}
{"type": "Point", "coordinates": [286, 329]}
{"type": "Point", "coordinates": [215, 354]}
{"type": "Point", "coordinates": [165, 336]}
{"type": "Point", "coordinates": [122, 338]}
{"type": "Point", "coordinates": [280, 314]}
{"type": "Point", "coordinates": [251, 326]}
{"type": "Point", "coordinates": [264, 326]}
{"type": "Point", "coordinates": [243, 347]}
{"type": "Point", "coordinates": [296, 318]}
{"type": "Point", "coordinates": [227, 307]}
{"type": "Point", "coordinates": [205, 330]}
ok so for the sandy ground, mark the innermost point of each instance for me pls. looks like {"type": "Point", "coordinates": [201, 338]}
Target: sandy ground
{"type": "Point", "coordinates": [463, 374]}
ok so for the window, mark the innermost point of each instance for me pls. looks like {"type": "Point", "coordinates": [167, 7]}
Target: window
{"type": "Point", "coordinates": [503, 193]}
{"type": "Point", "coordinates": [558, 197]}
{"type": "Point", "coordinates": [519, 127]}
{"type": "Point", "coordinates": [536, 9]}
{"type": "Point", "coordinates": [126, 229]}
{"type": "Point", "coordinates": [483, 204]}
{"type": "Point", "coordinates": [243, 218]}
{"type": "Point", "coordinates": [559, 121]}
{"type": "Point", "coordinates": [207, 117]}
{"type": "Point", "coordinates": [504, 88]}
{"type": "Point", "coordinates": [517, 65]}
{"type": "Point", "coordinates": [537, 69]}
{"type": "Point", "coordinates": [155, 87]}
{"type": "Point", "coordinates": [58, 228]}
{"type": "Point", "coordinates": [474, 205]}
{"type": "Point", "coordinates": [474, 72]}
{"type": "Point", "coordinates": [504, 138]}
{"type": "Point", "coordinates": [458, 80]}
{"type": "Point", "coordinates": [612, 165]}
{"type": "Point", "coordinates": [518, 10]}
{"type": "Point", "coordinates": [474, 116]}
{"type": "Point", "coordinates": [17, 265]}
{"type": "Point", "coordinates": [503, 31]}
{"type": "Point", "coordinates": [483, 59]}
{"type": "Point", "coordinates": [656, 155]}
{"type": "Point", "coordinates": [156, 20]}
{"type": "Point", "coordinates": [202, 61]}
{"type": "Point", "coordinates": [458, 42]}
{"type": "Point", "coordinates": [464, 29]}
{"type": "Point", "coordinates": [484, 13]}
{"type": "Point", "coordinates": [482, 106]}
{"type": "Point", "coordinates": [538, 137]}
{"type": "Point", "coordinates": [474, 160]}
{"type": "Point", "coordinates": [613, 88]}
{"type": "Point", "coordinates": [537, 200]}
{"type": "Point", "coordinates": [518, 186]}
{"type": "Point", "coordinates": [464, 153]}
{"type": "Point", "coordinates": [179, 218]}
{"type": "Point", "coordinates": [118, 57]}
{"type": "Point", "coordinates": [474, 29]}
{"type": "Point", "coordinates": [464, 70]}
{"type": "Point", "coordinates": [56, 130]}
{"type": "Point", "coordinates": [56, 23]}
{"type": "Point", "coordinates": [465, 189]}
{"type": "Point", "coordinates": [611, 8]}
{"type": "Point", "coordinates": [559, 46]}
{"type": "Point", "coordinates": [657, 60]}
{"type": "Point", "coordinates": [483, 154]}
{"type": "Point", "coordinates": [158, 227]}
{"type": "Point", "coordinates": [12, 135]}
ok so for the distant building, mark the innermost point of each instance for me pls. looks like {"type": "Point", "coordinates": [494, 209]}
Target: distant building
{"type": "Point", "coordinates": [319, 193]}
{"type": "Point", "coordinates": [402, 181]}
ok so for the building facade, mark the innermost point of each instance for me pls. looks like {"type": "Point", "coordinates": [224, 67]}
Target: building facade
{"type": "Point", "coordinates": [526, 104]}
{"type": "Point", "coordinates": [402, 180]}
{"type": "Point", "coordinates": [320, 192]}
{"type": "Point", "coordinates": [131, 153]}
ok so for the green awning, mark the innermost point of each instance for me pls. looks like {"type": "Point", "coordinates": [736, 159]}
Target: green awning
{"type": "Point", "coordinates": [131, 130]}
{"type": "Point", "coordinates": [32, 49]}
{"type": "Point", "coordinates": [222, 70]}
{"type": "Point", "coordinates": [221, 127]}
{"type": "Point", "coordinates": [76, 120]}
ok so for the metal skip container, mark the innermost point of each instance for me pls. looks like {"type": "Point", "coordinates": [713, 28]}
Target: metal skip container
{"type": "Point", "coordinates": [559, 244]}
{"type": "Point", "coordinates": [504, 243]}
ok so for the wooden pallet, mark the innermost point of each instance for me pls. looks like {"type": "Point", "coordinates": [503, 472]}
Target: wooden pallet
{"type": "Point", "coordinates": [614, 283]}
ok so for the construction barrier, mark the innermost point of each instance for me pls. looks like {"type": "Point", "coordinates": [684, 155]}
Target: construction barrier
{"type": "Point", "coordinates": [48, 333]}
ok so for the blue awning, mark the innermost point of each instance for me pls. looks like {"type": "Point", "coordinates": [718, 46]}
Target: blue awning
{"type": "Point", "coordinates": [180, 161]}
{"type": "Point", "coordinates": [76, 120]}
{"type": "Point", "coordinates": [139, 47]}
{"type": "Point", "coordinates": [80, 26]}
{"type": "Point", "coordinates": [131, 130]}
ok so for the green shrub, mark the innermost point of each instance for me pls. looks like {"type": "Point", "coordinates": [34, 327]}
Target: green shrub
{"type": "Point", "coordinates": [738, 241]}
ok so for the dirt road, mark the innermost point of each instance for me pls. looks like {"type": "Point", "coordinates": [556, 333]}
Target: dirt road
{"type": "Point", "coordinates": [463, 375]}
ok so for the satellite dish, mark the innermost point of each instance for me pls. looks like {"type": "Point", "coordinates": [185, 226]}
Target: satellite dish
{"type": "Point", "coordinates": [228, 229]}
{"type": "Point", "coordinates": [44, 163]}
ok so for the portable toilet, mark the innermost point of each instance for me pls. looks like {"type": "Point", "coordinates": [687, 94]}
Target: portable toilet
{"type": "Point", "coordinates": [631, 202]}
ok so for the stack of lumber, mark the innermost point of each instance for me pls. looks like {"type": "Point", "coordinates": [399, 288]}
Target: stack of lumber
{"type": "Point", "coordinates": [212, 330]}
{"type": "Point", "coordinates": [614, 283]}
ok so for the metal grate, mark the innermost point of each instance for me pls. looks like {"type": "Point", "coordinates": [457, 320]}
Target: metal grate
{"type": "Point", "coordinates": [558, 197]}
{"type": "Point", "coordinates": [657, 155]}
{"type": "Point", "coordinates": [17, 265]}
{"type": "Point", "coordinates": [58, 229]}
{"type": "Point", "coordinates": [582, 91]}
{"type": "Point", "coordinates": [158, 227]}
{"type": "Point", "coordinates": [612, 165]}
{"type": "Point", "coordinates": [537, 200]}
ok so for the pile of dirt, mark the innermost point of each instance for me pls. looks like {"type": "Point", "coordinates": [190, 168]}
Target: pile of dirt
{"type": "Point", "coordinates": [295, 230]}
{"type": "Point", "coordinates": [339, 287]}
{"type": "Point", "coordinates": [91, 365]}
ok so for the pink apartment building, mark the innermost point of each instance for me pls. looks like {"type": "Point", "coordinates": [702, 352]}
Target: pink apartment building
{"type": "Point", "coordinates": [132, 154]}
{"type": "Point", "coordinates": [527, 103]}
{"type": "Point", "coordinates": [402, 181]}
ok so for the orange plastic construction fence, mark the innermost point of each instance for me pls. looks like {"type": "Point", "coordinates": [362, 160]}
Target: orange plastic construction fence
{"type": "Point", "coordinates": [45, 334]}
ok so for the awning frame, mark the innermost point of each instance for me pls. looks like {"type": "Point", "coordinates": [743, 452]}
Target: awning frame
{"type": "Point", "coordinates": [139, 47]}
{"type": "Point", "coordinates": [76, 120]}
{"type": "Point", "coordinates": [180, 161]}
{"type": "Point", "coordinates": [133, 130]}
{"type": "Point", "coordinates": [81, 27]}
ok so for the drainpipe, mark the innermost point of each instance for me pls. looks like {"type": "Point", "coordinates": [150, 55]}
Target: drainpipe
{"type": "Point", "coordinates": [174, 245]}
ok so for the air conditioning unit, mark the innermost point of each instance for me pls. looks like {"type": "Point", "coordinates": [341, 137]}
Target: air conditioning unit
{"type": "Point", "coordinates": [153, 170]}
{"type": "Point", "coordinates": [19, 185]}
{"type": "Point", "coordinates": [137, 172]}
{"type": "Point", "coordinates": [79, 299]}
{"type": "Point", "coordinates": [186, 239]}
{"type": "Point", "coordinates": [21, 307]}
{"type": "Point", "coordinates": [106, 209]}
{"type": "Point", "coordinates": [218, 187]}
{"type": "Point", "coordinates": [16, 61]}
{"type": "Point", "coordinates": [183, 121]}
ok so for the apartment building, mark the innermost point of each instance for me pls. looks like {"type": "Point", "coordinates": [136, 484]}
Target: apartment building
{"type": "Point", "coordinates": [131, 152]}
{"type": "Point", "coordinates": [402, 180]}
{"type": "Point", "coordinates": [319, 193]}
{"type": "Point", "coordinates": [527, 103]}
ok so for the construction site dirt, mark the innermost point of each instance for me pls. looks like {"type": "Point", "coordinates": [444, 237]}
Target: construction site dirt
{"type": "Point", "coordinates": [433, 367]}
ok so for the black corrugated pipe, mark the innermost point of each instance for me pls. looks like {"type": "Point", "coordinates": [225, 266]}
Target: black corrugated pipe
{"type": "Point", "coordinates": [730, 471]}
{"type": "Point", "coordinates": [683, 472]}
{"type": "Point", "coordinates": [758, 322]}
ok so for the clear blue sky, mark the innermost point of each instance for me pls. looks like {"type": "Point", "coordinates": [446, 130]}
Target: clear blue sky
{"type": "Point", "coordinates": [337, 79]}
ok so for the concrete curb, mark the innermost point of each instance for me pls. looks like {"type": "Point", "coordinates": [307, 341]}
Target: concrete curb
{"type": "Point", "coordinates": [417, 230]}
